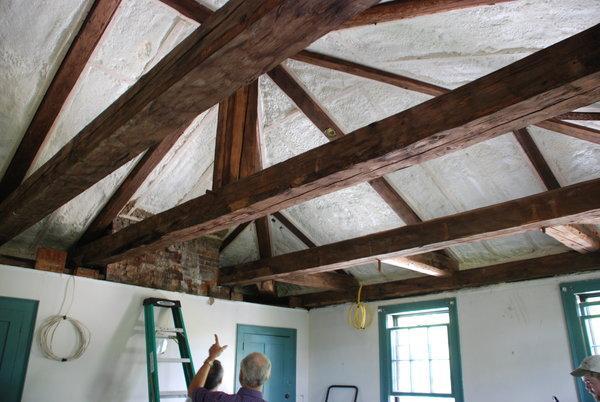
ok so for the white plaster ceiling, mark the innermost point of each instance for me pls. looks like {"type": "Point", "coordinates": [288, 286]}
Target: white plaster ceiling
{"type": "Point", "coordinates": [447, 49]}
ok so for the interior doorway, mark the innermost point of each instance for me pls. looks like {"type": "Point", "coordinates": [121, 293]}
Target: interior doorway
{"type": "Point", "coordinates": [279, 345]}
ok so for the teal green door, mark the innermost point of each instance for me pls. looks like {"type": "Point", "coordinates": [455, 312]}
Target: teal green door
{"type": "Point", "coordinates": [279, 345]}
{"type": "Point", "coordinates": [17, 321]}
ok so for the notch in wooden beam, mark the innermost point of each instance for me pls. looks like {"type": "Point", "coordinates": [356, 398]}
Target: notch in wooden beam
{"type": "Point", "coordinates": [434, 264]}
{"type": "Point", "coordinates": [581, 238]}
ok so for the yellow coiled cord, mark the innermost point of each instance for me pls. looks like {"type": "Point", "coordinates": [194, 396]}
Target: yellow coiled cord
{"type": "Point", "coordinates": [357, 315]}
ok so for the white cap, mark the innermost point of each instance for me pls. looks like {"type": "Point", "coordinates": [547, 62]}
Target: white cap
{"type": "Point", "coordinates": [589, 364]}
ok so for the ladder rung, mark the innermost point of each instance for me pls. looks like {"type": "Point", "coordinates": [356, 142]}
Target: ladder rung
{"type": "Point", "coordinates": [177, 330]}
{"type": "Point", "coordinates": [165, 336]}
{"type": "Point", "coordinates": [174, 394]}
{"type": "Point", "coordinates": [173, 360]}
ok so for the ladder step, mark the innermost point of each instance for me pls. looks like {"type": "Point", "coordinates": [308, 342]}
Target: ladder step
{"type": "Point", "coordinates": [174, 394]}
{"type": "Point", "coordinates": [175, 330]}
{"type": "Point", "coordinates": [173, 360]}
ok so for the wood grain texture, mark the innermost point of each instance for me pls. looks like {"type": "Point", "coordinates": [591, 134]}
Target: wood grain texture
{"type": "Point", "coordinates": [63, 82]}
{"type": "Point", "coordinates": [536, 158]}
{"type": "Point", "coordinates": [558, 79]}
{"type": "Point", "coordinates": [134, 180]}
{"type": "Point", "coordinates": [371, 73]}
{"type": "Point", "coordinates": [232, 48]}
{"type": "Point", "coordinates": [581, 238]}
{"type": "Point", "coordinates": [324, 280]}
{"type": "Point", "coordinates": [402, 9]}
{"type": "Point", "coordinates": [434, 264]}
{"type": "Point", "coordinates": [535, 268]}
{"type": "Point", "coordinates": [589, 116]}
{"type": "Point", "coordinates": [191, 9]}
{"type": "Point", "coordinates": [573, 130]}
{"type": "Point", "coordinates": [300, 235]}
{"type": "Point", "coordinates": [557, 207]}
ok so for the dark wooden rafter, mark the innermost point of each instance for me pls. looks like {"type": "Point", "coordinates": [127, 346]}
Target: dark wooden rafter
{"type": "Point", "coordinates": [311, 108]}
{"type": "Point", "coordinates": [229, 48]}
{"type": "Point", "coordinates": [102, 222]}
{"type": "Point", "coordinates": [191, 9]}
{"type": "Point", "coordinates": [588, 116]}
{"type": "Point", "coordinates": [403, 9]}
{"type": "Point", "coordinates": [294, 230]}
{"type": "Point", "coordinates": [563, 77]}
{"type": "Point", "coordinates": [557, 207]}
{"type": "Point", "coordinates": [573, 130]}
{"type": "Point", "coordinates": [522, 135]}
{"type": "Point", "coordinates": [534, 268]}
{"type": "Point", "coordinates": [233, 235]}
{"type": "Point", "coordinates": [359, 70]}
{"type": "Point", "coordinates": [238, 155]}
{"type": "Point", "coordinates": [64, 80]}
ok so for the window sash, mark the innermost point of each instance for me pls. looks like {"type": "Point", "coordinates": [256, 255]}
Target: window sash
{"type": "Point", "coordinates": [431, 307]}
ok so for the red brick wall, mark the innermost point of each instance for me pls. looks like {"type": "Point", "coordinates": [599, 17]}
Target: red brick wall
{"type": "Point", "coordinates": [189, 267]}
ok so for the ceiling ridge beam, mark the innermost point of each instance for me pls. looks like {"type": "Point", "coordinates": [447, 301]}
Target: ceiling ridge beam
{"type": "Point", "coordinates": [556, 207]}
{"type": "Point", "coordinates": [191, 9]}
{"type": "Point", "coordinates": [222, 55]}
{"type": "Point", "coordinates": [321, 60]}
{"type": "Point", "coordinates": [514, 271]}
{"type": "Point", "coordinates": [65, 78]}
{"type": "Point", "coordinates": [563, 77]}
{"type": "Point", "coordinates": [403, 9]}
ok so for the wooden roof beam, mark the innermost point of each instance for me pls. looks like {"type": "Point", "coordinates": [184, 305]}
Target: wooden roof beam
{"type": "Point", "coordinates": [557, 207]}
{"type": "Point", "coordinates": [403, 9]}
{"type": "Point", "coordinates": [191, 9]}
{"type": "Point", "coordinates": [581, 238]}
{"type": "Point", "coordinates": [64, 80]}
{"type": "Point", "coordinates": [434, 264]}
{"type": "Point", "coordinates": [588, 116]}
{"type": "Point", "coordinates": [563, 77]}
{"type": "Point", "coordinates": [229, 48]}
{"type": "Point", "coordinates": [535, 268]}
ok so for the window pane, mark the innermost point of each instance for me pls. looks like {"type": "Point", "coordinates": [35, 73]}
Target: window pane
{"type": "Point", "coordinates": [419, 348]}
{"type": "Point", "coordinates": [438, 343]}
{"type": "Point", "coordinates": [420, 376]}
{"type": "Point", "coordinates": [401, 376]}
{"type": "Point", "coordinates": [440, 377]}
{"type": "Point", "coordinates": [419, 399]}
{"type": "Point", "coordinates": [400, 344]}
{"type": "Point", "coordinates": [415, 319]}
{"type": "Point", "coordinates": [592, 310]}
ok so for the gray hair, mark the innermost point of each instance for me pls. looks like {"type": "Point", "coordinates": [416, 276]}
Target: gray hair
{"type": "Point", "coordinates": [255, 370]}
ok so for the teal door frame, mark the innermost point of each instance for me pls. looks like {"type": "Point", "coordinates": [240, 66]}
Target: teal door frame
{"type": "Point", "coordinates": [272, 331]}
{"type": "Point", "coordinates": [17, 355]}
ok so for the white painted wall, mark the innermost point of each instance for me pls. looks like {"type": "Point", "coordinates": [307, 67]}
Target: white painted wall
{"type": "Point", "coordinates": [114, 366]}
{"type": "Point", "coordinates": [513, 341]}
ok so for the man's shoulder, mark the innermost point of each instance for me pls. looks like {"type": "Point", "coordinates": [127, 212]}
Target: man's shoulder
{"type": "Point", "coordinates": [204, 395]}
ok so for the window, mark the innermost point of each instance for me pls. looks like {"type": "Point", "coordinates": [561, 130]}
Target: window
{"type": "Point", "coordinates": [581, 302]}
{"type": "Point", "coordinates": [420, 358]}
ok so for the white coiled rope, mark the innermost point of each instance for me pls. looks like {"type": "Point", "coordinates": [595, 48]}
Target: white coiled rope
{"type": "Point", "coordinates": [50, 325]}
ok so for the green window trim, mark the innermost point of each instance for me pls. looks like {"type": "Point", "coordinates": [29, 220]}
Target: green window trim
{"type": "Point", "coordinates": [574, 318]}
{"type": "Point", "coordinates": [385, 366]}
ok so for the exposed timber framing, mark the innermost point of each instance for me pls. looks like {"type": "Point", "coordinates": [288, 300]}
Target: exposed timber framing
{"type": "Point", "coordinates": [563, 77]}
{"type": "Point", "coordinates": [311, 108]}
{"type": "Point", "coordinates": [535, 268]}
{"type": "Point", "coordinates": [536, 158]}
{"type": "Point", "coordinates": [434, 264]}
{"type": "Point", "coordinates": [229, 48]}
{"type": "Point", "coordinates": [191, 9]}
{"type": "Point", "coordinates": [233, 234]}
{"type": "Point", "coordinates": [359, 70]}
{"type": "Point", "coordinates": [64, 80]}
{"type": "Point", "coordinates": [581, 238]}
{"type": "Point", "coordinates": [557, 207]}
{"type": "Point", "coordinates": [402, 9]}
{"type": "Point", "coordinates": [588, 116]}
{"type": "Point", "coordinates": [573, 130]}
{"type": "Point", "coordinates": [102, 222]}
{"type": "Point", "coordinates": [300, 235]}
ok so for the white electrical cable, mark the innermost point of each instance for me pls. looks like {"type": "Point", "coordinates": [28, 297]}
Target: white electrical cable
{"type": "Point", "coordinates": [50, 325]}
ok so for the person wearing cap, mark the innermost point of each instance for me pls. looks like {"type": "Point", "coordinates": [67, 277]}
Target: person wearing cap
{"type": "Point", "coordinates": [589, 369]}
